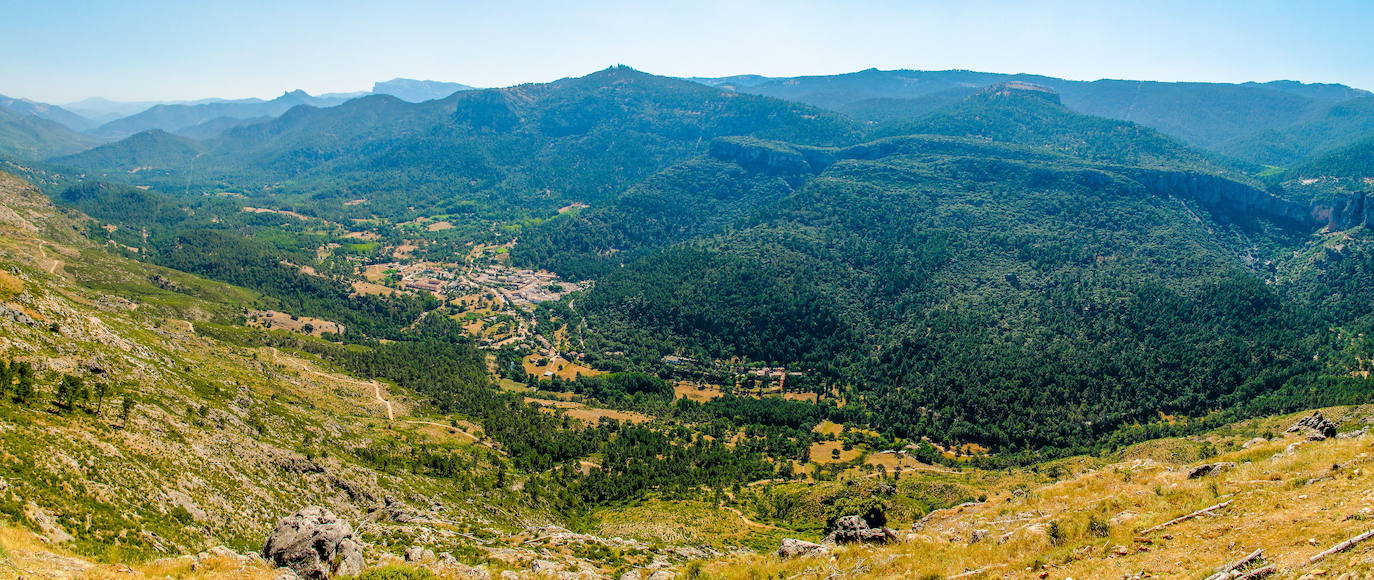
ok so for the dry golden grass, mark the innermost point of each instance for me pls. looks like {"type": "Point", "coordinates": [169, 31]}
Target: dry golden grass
{"type": "Point", "coordinates": [828, 427]}
{"type": "Point", "coordinates": [273, 319]}
{"type": "Point", "coordinates": [403, 251]}
{"type": "Point", "coordinates": [375, 272]}
{"type": "Point", "coordinates": [585, 413]}
{"type": "Point", "coordinates": [368, 288]}
{"type": "Point", "coordinates": [10, 284]}
{"type": "Point", "coordinates": [23, 555]}
{"type": "Point", "coordinates": [560, 367]}
{"type": "Point", "coordinates": [695, 391]}
{"type": "Point", "coordinates": [824, 452]}
{"type": "Point", "coordinates": [1088, 525]}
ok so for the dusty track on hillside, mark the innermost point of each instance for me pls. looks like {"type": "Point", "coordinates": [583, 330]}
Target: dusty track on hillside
{"type": "Point", "coordinates": [376, 385]}
{"type": "Point", "coordinates": [52, 268]}
{"type": "Point", "coordinates": [744, 518]}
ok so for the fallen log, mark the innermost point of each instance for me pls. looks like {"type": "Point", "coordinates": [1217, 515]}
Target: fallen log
{"type": "Point", "coordinates": [976, 572]}
{"type": "Point", "coordinates": [1258, 573]}
{"type": "Point", "coordinates": [1225, 571]}
{"type": "Point", "coordinates": [1341, 547]}
{"type": "Point", "coordinates": [1187, 517]}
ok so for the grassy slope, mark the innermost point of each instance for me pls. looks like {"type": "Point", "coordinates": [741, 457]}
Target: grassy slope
{"type": "Point", "coordinates": [223, 440]}
{"type": "Point", "coordinates": [1293, 505]}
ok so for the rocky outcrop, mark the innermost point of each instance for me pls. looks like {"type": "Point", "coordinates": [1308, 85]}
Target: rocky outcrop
{"type": "Point", "coordinates": [315, 544]}
{"type": "Point", "coordinates": [794, 548]}
{"type": "Point", "coordinates": [416, 554]}
{"type": "Point", "coordinates": [47, 524]}
{"type": "Point", "coordinates": [1220, 193]}
{"type": "Point", "coordinates": [1344, 212]}
{"type": "Point", "coordinates": [771, 157]}
{"type": "Point", "coordinates": [1316, 425]}
{"type": "Point", "coordinates": [854, 529]}
{"type": "Point", "coordinates": [1210, 468]}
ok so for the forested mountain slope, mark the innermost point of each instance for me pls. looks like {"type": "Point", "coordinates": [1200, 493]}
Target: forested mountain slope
{"type": "Point", "coordinates": [1032, 115]}
{"type": "Point", "coordinates": [1201, 114]}
{"type": "Point", "coordinates": [28, 137]}
{"type": "Point", "coordinates": [1034, 295]}
{"type": "Point", "coordinates": [582, 139]}
{"type": "Point", "coordinates": [1319, 131]}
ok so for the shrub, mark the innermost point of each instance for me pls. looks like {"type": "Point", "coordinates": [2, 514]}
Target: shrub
{"type": "Point", "coordinates": [396, 572]}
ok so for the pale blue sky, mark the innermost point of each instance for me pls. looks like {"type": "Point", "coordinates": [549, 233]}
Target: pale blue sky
{"type": "Point", "coordinates": [64, 50]}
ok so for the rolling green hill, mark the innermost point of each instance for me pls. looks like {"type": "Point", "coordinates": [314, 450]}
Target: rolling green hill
{"type": "Point", "coordinates": [27, 137]}
{"type": "Point", "coordinates": [1327, 128]}
{"type": "Point", "coordinates": [1352, 162]}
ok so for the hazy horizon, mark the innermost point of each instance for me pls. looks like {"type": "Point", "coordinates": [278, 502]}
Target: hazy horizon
{"type": "Point", "coordinates": [152, 50]}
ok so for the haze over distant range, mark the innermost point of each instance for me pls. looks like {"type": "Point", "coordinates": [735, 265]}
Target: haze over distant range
{"type": "Point", "coordinates": [160, 50]}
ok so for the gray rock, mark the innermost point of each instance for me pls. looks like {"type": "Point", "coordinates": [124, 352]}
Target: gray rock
{"type": "Point", "coordinates": [1210, 468]}
{"type": "Point", "coordinates": [1317, 426]}
{"type": "Point", "coordinates": [854, 529]}
{"type": "Point", "coordinates": [1361, 432]}
{"type": "Point", "coordinates": [544, 567]}
{"type": "Point", "coordinates": [450, 566]}
{"type": "Point", "coordinates": [398, 512]}
{"type": "Point", "coordinates": [185, 502]}
{"type": "Point", "coordinates": [794, 548]}
{"type": "Point", "coordinates": [977, 536]}
{"type": "Point", "coordinates": [316, 544]}
{"type": "Point", "coordinates": [663, 575]}
{"type": "Point", "coordinates": [419, 554]}
{"type": "Point", "coordinates": [47, 524]}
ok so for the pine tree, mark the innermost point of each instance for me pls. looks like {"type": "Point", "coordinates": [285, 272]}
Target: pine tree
{"type": "Point", "coordinates": [126, 407]}
{"type": "Point", "coordinates": [23, 387]}
{"type": "Point", "coordinates": [71, 391]}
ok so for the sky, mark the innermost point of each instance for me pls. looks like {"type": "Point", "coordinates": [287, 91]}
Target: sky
{"type": "Point", "coordinates": [60, 51]}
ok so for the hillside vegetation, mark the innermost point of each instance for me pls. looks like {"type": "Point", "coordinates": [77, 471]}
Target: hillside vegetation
{"type": "Point", "coordinates": [633, 326]}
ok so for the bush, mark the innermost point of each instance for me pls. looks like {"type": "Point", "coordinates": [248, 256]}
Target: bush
{"type": "Point", "coordinates": [396, 572]}
{"type": "Point", "coordinates": [1098, 528]}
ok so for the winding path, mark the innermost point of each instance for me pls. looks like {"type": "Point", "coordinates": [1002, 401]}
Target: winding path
{"type": "Point", "coordinates": [744, 518]}
{"type": "Point", "coordinates": [376, 385]}
{"type": "Point", "coordinates": [52, 269]}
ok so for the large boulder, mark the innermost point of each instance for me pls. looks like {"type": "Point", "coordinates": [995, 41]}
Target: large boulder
{"type": "Point", "coordinates": [1210, 468]}
{"type": "Point", "coordinates": [794, 548]}
{"type": "Point", "coordinates": [1317, 426]}
{"type": "Point", "coordinates": [316, 544]}
{"type": "Point", "coordinates": [852, 529]}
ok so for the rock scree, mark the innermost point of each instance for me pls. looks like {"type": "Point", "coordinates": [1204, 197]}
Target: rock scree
{"type": "Point", "coordinates": [316, 544]}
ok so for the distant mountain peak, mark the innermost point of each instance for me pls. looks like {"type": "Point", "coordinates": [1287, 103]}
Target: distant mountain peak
{"type": "Point", "coordinates": [618, 72]}
{"type": "Point", "coordinates": [417, 90]}
{"type": "Point", "coordinates": [296, 95]}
